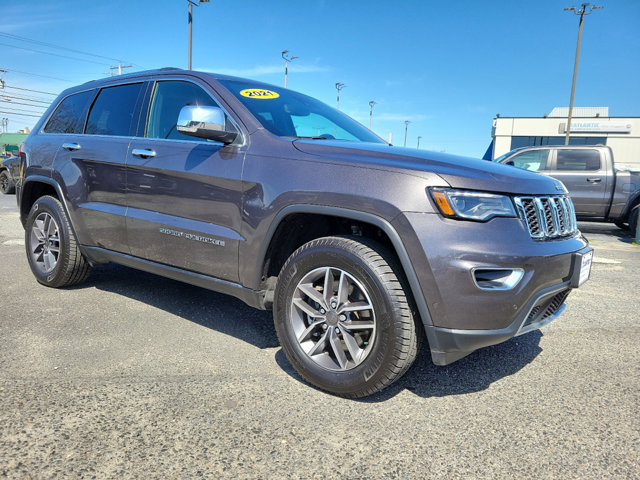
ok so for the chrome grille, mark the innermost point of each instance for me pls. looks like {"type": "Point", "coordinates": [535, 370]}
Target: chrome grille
{"type": "Point", "coordinates": [547, 217]}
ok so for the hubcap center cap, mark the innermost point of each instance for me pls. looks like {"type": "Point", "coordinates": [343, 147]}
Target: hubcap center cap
{"type": "Point", "coordinates": [332, 318]}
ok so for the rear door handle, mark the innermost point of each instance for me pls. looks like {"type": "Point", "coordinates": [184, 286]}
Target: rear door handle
{"type": "Point", "coordinates": [594, 180]}
{"type": "Point", "coordinates": [143, 152]}
{"type": "Point", "coordinates": [71, 146]}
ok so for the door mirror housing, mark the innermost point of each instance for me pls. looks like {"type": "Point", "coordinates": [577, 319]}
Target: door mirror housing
{"type": "Point", "coordinates": [206, 122]}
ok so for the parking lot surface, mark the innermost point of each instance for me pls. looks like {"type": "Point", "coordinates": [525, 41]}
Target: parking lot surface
{"type": "Point", "coordinates": [131, 375]}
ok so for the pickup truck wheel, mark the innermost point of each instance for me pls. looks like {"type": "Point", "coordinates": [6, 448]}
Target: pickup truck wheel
{"type": "Point", "coordinates": [621, 224]}
{"type": "Point", "coordinates": [633, 219]}
{"type": "Point", "coordinates": [342, 317]}
{"type": "Point", "coordinates": [6, 183]}
{"type": "Point", "coordinates": [52, 251]}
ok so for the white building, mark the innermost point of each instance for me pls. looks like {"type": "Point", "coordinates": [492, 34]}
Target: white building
{"type": "Point", "coordinates": [589, 126]}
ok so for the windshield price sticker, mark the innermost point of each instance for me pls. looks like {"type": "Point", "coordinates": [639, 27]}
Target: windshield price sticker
{"type": "Point", "coordinates": [259, 93]}
{"type": "Point", "coordinates": [585, 268]}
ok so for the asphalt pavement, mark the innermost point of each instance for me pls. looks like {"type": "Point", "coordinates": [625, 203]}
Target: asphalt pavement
{"type": "Point", "coordinates": [131, 375]}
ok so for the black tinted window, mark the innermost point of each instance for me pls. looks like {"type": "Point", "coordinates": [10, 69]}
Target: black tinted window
{"type": "Point", "coordinates": [113, 111]}
{"type": "Point", "coordinates": [68, 117]}
{"type": "Point", "coordinates": [578, 160]}
{"type": "Point", "coordinates": [168, 99]}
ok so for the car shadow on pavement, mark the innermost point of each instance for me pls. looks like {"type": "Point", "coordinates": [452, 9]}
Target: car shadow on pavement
{"type": "Point", "coordinates": [473, 373]}
{"type": "Point", "coordinates": [217, 311]}
{"type": "Point", "coordinates": [231, 316]}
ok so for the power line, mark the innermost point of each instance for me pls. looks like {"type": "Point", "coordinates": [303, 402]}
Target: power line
{"type": "Point", "coordinates": [39, 75]}
{"type": "Point", "coordinates": [28, 99]}
{"type": "Point", "coordinates": [51, 53]}
{"type": "Point", "coordinates": [20, 114]}
{"type": "Point", "coordinates": [29, 90]}
{"type": "Point", "coordinates": [46, 44]}
{"type": "Point", "coordinates": [11, 102]}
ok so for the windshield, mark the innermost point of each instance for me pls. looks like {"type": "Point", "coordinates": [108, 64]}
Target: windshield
{"type": "Point", "coordinates": [290, 114]}
{"type": "Point", "coordinates": [502, 157]}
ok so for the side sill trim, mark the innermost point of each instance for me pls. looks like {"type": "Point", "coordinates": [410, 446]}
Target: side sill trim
{"type": "Point", "coordinates": [250, 297]}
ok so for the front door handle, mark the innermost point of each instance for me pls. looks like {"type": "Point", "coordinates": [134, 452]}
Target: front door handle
{"type": "Point", "coordinates": [71, 146]}
{"type": "Point", "coordinates": [143, 152]}
{"type": "Point", "coordinates": [594, 180]}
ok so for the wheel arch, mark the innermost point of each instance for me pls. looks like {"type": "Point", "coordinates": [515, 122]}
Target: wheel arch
{"type": "Point", "coordinates": [37, 186]}
{"type": "Point", "coordinates": [364, 218]}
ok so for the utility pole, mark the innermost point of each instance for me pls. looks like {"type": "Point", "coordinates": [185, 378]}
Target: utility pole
{"type": "Point", "coordinates": [286, 65]}
{"type": "Point", "coordinates": [419, 137]}
{"type": "Point", "coordinates": [119, 67]}
{"type": "Point", "coordinates": [190, 21]}
{"type": "Point", "coordinates": [1, 80]}
{"type": "Point", "coordinates": [582, 12]}
{"type": "Point", "coordinates": [406, 127]}
{"type": "Point", "coordinates": [339, 86]}
{"type": "Point", "coordinates": [371, 104]}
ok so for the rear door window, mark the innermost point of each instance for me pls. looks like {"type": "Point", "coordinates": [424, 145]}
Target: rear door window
{"type": "Point", "coordinates": [533, 160]}
{"type": "Point", "coordinates": [114, 111]}
{"type": "Point", "coordinates": [70, 114]}
{"type": "Point", "coordinates": [578, 160]}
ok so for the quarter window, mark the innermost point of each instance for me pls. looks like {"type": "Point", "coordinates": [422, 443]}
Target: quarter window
{"type": "Point", "coordinates": [70, 114]}
{"type": "Point", "coordinates": [581, 160]}
{"type": "Point", "coordinates": [113, 111]}
{"type": "Point", "coordinates": [168, 99]}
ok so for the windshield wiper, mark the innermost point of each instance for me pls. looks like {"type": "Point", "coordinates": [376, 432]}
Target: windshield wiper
{"type": "Point", "coordinates": [309, 138]}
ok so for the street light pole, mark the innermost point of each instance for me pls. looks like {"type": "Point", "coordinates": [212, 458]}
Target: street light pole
{"type": "Point", "coordinates": [190, 21]}
{"type": "Point", "coordinates": [371, 104]}
{"type": "Point", "coordinates": [418, 146]}
{"type": "Point", "coordinates": [339, 86]}
{"type": "Point", "coordinates": [406, 126]}
{"type": "Point", "coordinates": [286, 65]}
{"type": "Point", "coordinates": [582, 12]}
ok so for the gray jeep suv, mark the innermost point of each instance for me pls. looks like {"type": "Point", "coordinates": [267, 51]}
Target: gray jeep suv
{"type": "Point", "coordinates": [360, 249]}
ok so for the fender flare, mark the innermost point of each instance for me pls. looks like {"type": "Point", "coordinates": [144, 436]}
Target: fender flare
{"type": "Point", "coordinates": [56, 186]}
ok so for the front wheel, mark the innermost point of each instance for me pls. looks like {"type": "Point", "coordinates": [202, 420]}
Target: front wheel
{"type": "Point", "coordinates": [343, 318]}
{"type": "Point", "coordinates": [54, 256]}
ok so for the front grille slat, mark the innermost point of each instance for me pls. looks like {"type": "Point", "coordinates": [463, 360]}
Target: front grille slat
{"type": "Point", "coordinates": [547, 217]}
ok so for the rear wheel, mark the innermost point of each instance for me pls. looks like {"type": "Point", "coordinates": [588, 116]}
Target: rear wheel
{"type": "Point", "coordinates": [342, 316]}
{"type": "Point", "coordinates": [54, 256]}
{"type": "Point", "coordinates": [6, 183]}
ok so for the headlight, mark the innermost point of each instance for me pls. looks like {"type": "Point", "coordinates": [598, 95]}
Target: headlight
{"type": "Point", "coordinates": [472, 205]}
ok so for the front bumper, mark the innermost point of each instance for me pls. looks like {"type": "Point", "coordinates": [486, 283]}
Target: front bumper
{"type": "Point", "coordinates": [464, 317]}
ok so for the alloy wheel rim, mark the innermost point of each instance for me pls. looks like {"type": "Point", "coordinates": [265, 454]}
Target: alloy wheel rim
{"type": "Point", "coordinates": [333, 319]}
{"type": "Point", "coordinates": [45, 242]}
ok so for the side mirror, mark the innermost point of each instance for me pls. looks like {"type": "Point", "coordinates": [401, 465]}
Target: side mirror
{"type": "Point", "coordinates": [206, 122]}
{"type": "Point", "coordinates": [510, 162]}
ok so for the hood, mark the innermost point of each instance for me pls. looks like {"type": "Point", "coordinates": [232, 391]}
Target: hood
{"type": "Point", "coordinates": [459, 172]}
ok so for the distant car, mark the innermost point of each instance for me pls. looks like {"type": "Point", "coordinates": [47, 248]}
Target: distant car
{"type": "Point", "coordinates": [9, 174]}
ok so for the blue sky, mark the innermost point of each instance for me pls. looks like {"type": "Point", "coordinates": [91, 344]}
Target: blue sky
{"type": "Point", "coordinates": [447, 66]}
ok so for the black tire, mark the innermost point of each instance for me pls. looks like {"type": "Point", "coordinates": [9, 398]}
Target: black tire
{"type": "Point", "coordinates": [52, 250]}
{"type": "Point", "coordinates": [633, 219]}
{"type": "Point", "coordinates": [372, 278]}
{"type": "Point", "coordinates": [7, 184]}
{"type": "Point", "coordinates": [621, 224]}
